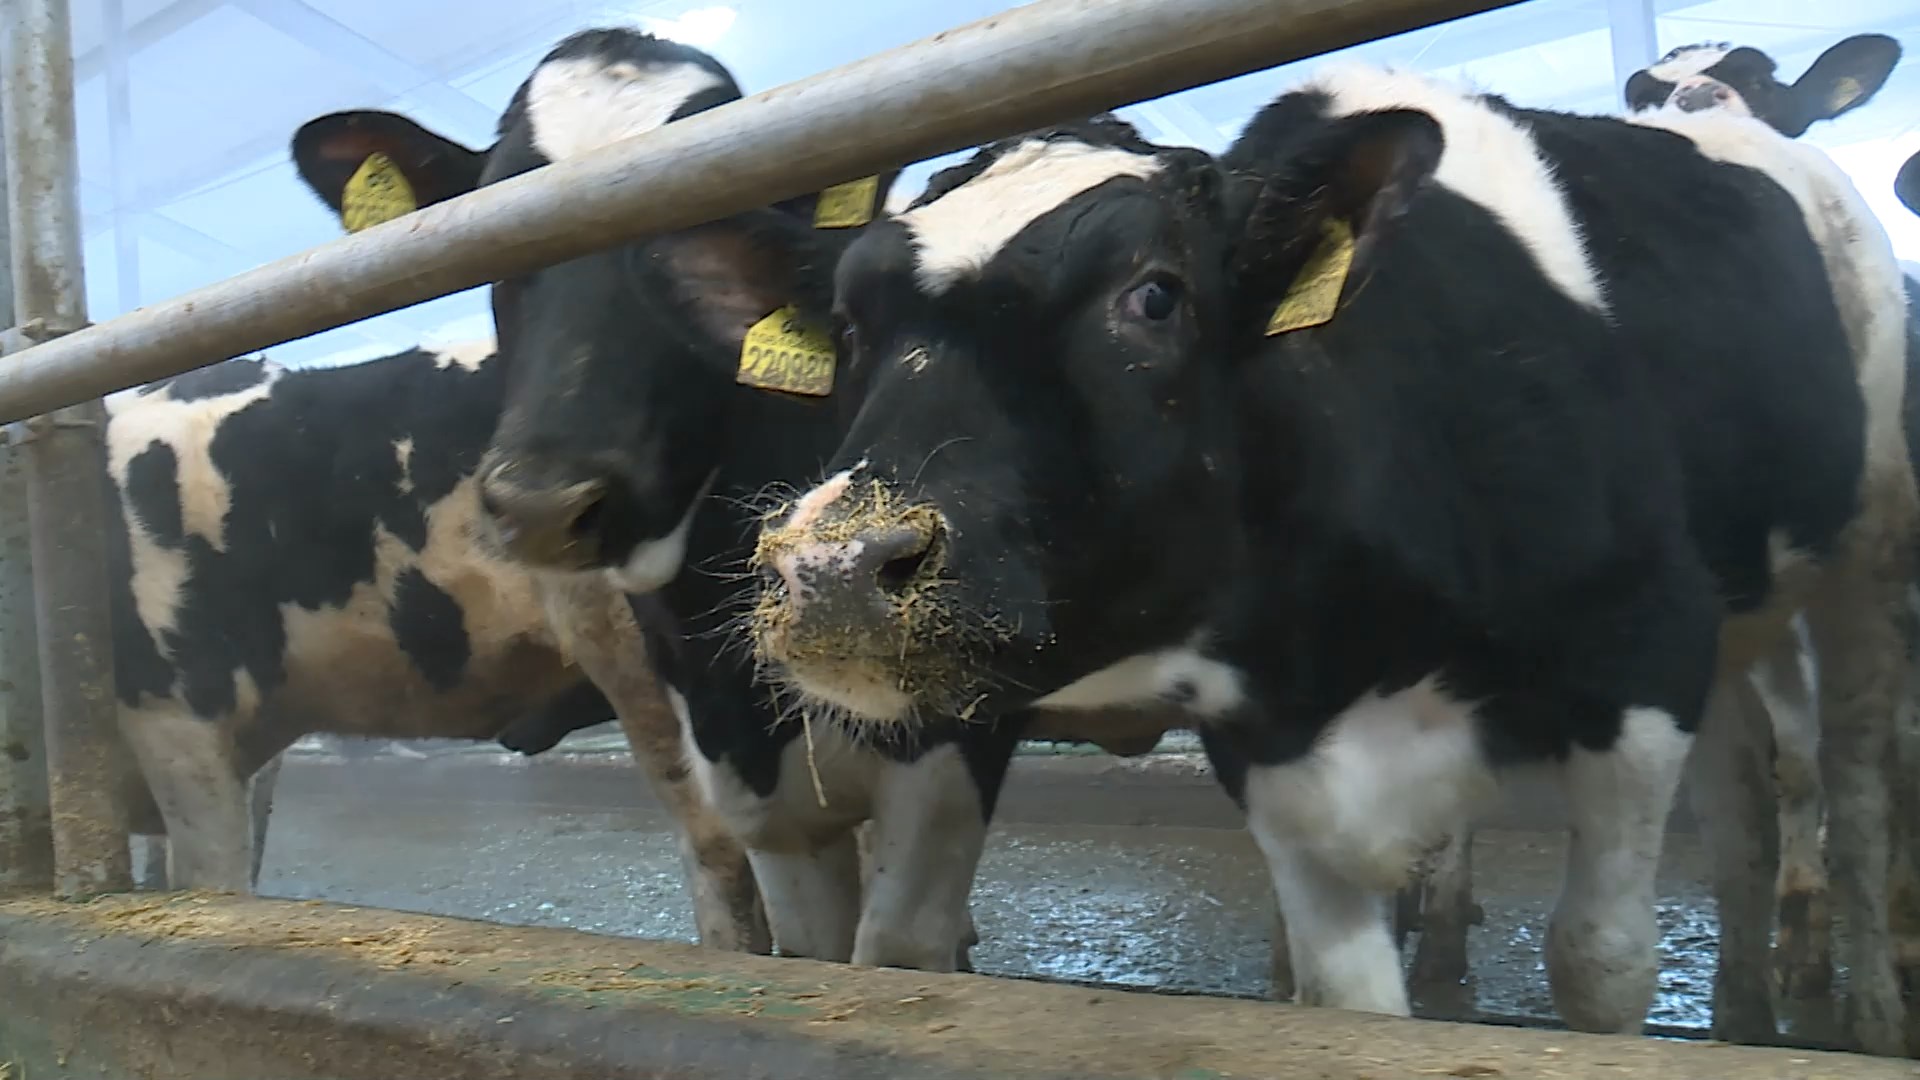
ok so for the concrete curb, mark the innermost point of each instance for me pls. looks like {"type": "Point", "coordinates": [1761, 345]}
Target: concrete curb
{"type": "Point", "coordinates": [226, 988]}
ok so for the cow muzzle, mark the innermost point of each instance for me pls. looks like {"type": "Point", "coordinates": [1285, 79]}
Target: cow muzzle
{"type": "Point", "coordinates": [545, 524]}
{"type": "Point", "coordinates": [851, 597]}
{"type": "Point", "coordinates": [1699, 93]}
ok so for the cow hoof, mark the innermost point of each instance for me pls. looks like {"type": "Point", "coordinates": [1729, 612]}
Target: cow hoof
{"type": "Point", "coordinates": [1439, 960]}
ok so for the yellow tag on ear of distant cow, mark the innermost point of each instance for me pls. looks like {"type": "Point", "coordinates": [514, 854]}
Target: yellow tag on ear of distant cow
{"type": "Point", "coordinates": [844, 206]}
{"type": "Point", "coordinates": [783, 353]}
{"type": "Point", "coordinates": [1316, 292]}
{"type": "Point", "coordinates": [377, 193]}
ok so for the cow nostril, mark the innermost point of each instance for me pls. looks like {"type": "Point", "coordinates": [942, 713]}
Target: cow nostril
{"type": "Point", "coordinates": [897, 573]}
{"type": "Point", "coordinates": [899, 556]}
{"type": "Point", "coordinates": [586, 522]}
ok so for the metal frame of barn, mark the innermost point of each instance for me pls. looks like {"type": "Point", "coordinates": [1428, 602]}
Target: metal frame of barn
{"type": "Point", "coordinates": [211, 987]}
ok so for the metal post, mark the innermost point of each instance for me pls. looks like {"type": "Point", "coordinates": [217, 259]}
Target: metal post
{"type": "Point", "coordinates": [1044, 62]}
{"type": "Point", "coordinates": [1634, 35]}
{"type": "Point", "coordinates": [26, 823]}
{"type": "Point", "coordinates": [86, 758]}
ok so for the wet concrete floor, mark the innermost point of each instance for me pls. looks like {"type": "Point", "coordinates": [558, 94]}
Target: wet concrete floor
{"type": "Point", "coordinates": [1130, 874]}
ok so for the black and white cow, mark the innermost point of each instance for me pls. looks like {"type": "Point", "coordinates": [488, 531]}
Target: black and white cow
{"type": "Point", "coordinates": [295, 552]}
{"type": "Point", "coordinates": [1600, 406]}
{"type": "Point", "coordinates": [628, 448]}
{"type": "Point", "coordinates": [1741, 80]}
{"type": "Point", "coordinates": [1721, 75]}
{"type": "Point", "coordinates": [622, 417]}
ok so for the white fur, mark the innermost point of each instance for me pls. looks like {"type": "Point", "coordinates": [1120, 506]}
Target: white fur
{"type": "Point", "coordinates": [1859, 258]}
{"type": "Point", "coordinates": [1342, 828]}
{"type": "Point", "coordinates": [867, 699]}
{"type": "Point", "coordinates": [963, 229]}
{"type": "Point", "coordinates": [928, 835]}
{"type": "Point", "coordinates": [403, 455]}
{"type": "Point", "coordinates": [1150, 679]}
{"type": "Point", "coordinates": [929, 832]}
{"type": "Point", "coordinates": [582, 104]}
{"type": "Point", "coordinates": [189, 765]}
{"type": "Point", "coordinates": [135, 423]}
{"type": "Point", "coordinates": [656, 562]}
{"type": "Point", "coordinates": [1387, 781]}
{"type": "Point", "coordinates": [1488, 159]}
{"type": "Point", "coordinates": [1601, 957]}
{"type": "Point", "coordinates": [1684, 63]}
{"type": "Point", "coordinates": [1338, 938]}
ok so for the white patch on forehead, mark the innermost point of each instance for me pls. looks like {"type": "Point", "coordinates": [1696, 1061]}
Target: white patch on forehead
{"type": "Point", "coordinates": [581, 104]}
{"type": "Point", "coordinates": [1489, 159]}
{"type": "Point", "coordinates": [963, 229]}
{"type": "Point", "coordinates": [1683, 63]}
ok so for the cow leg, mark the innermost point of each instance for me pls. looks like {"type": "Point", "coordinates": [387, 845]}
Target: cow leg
{"type": "Point", "coordinates": [153, 872]}
{"type": "Point", "coordinates": [1733, 799]}
{"type": "Point", "coordinates": [813, 897]}
{"type": "Point", "coordinates": [190, 765]}
{"type": "Point", "coordinates": [1855, 616]}
{"type": "Point", "coordinates": [1446, 911]}
{"type": "Point", "coordinates": [1405, 918]}
{"type": "Point", "coordinates": [1803, 956]}
{"type": "Point", "coordinates": [929, 828]}
{"type": "Point", "coordinates": [1340, 946]}
{"type": "Point", "coordinates": [969, 935]}
{"type": "Point", "coordinates": [260, 808]}
{"type": "Point", "coordinates": [597, 627]}
{"type": "Point", "coordinates": [727, 909]}
{"type": "Point", "coordinates": [1904, 898]}
{"type": "Point", "coordinates": [1284, 988]}
{"type": "Point", "coordinates": [1602, 938]}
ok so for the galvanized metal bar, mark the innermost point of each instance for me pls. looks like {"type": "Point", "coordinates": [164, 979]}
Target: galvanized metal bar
{"type": "Point", "coordinates": [1635, 38]}
{"type": "Point", "coordinates": [26, 822]}
{"type": "Point", "coordinates": [66, 492]}
{"type": "Point", "coordinates": [1048, 61]}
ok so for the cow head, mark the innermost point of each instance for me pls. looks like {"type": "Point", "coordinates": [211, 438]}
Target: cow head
{"type": "Point", "coordinates": [1041, 483]}
{"type": "Point", "coordinates": [621, 364]}
{"type": "Point", "coordinates": [1741, 79]}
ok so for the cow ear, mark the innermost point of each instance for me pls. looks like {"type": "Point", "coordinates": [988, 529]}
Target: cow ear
{"type": "Point", "coordinates": [1309, 227]}
{"type": "Point", "coordinates": [731, 274]}
{"type": "Point", "coordinates": [1906, 185]}
{"type": "Point", "coordinates": [843, 206]}
{"type": "Point", "coordinates": [1644, 91]}
{"type": "Point", "coordinates": [336, 156]}
{"type": "Point", "coordinates": [1846, 76]}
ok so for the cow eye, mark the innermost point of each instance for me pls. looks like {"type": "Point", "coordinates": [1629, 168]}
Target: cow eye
{"type": "Point", "coordinates": [1155, 299]}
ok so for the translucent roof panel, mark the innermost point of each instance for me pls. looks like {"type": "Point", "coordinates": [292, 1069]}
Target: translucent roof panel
{"type": "Point", "coordinates": [186, 107]}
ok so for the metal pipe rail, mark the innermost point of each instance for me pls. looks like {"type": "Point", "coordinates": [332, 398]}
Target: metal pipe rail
{"type": "Point", "coordinates": [26, 820]}
{"type": "Point", "coordinates": [1046, 62]}
{"type": "Point", "coordinates": [86, 760]}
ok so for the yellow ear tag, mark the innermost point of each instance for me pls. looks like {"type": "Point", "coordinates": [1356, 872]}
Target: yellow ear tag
{"type": "Point", "coordinates": [377, 193]}
{"type": "Point", "coordinates": [844, 206]}
{"type": "Point", "coordinates": [1315, 294]}
{"type": "Point", "coordinates": [783, 353]}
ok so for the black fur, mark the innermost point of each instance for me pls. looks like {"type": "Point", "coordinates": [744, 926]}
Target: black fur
{"type": "Point", "coordinates": [1465, 473]}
